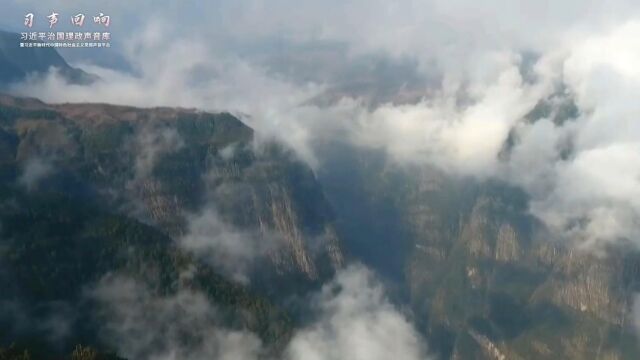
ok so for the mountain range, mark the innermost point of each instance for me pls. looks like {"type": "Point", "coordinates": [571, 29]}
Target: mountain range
{"type": "Point", "coordinates": [18, 63]}
{"type": "Point", "coordinates": [177, 202]}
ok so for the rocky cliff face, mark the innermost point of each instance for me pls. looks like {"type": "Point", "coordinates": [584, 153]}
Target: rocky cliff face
{"type": "Point", "coordinates": [485, 279]}
{"type": "Point", "coordinates": [164, 166]}
{"type": "Point", "coordinates": [503, 281]}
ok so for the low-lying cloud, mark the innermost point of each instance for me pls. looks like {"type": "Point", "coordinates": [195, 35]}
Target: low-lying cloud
{"type": "Point", "coordinates": [151, 145]}
{"type": "Point", "coordinates": [143, 325]}
{"type": "Point", "coordinates": [34, 171]}
{"type": "Point", "coordinates": [233, 251]}
{"type": "Point", "coordinates": [354, 320]}
{"type": "Point", "coordinates": [481, 79]}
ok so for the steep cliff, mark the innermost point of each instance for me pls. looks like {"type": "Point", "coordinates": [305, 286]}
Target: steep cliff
{"type": "Point", "coordinates": [163, 165]}
{"type": "Point", "coordinates": [484, 278]}
{"type": "Point", "coordinates": [91, 191]}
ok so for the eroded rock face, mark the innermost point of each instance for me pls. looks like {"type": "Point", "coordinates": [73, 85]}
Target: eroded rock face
{"type": "Point", "coordinates": [513, 283]}
{"type": "Point", "coordinates": [164, 165]}
{"type": "Point", "coordinates": [519, 292]}
{"type": "Point", "coordinates": [488, 280]}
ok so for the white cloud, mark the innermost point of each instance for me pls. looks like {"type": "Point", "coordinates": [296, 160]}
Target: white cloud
{"type": "Point", "coordinates": [151, 145]}
{"type": "Point", "coordinates": [35, 170]}
{"type": "Point", "coordinates": [189, 74]}
{"type": "Point", "coordinates": [233, 251]}
{"type": "Point", "coordinates": [461, 123]}
{"type": "Point", "coordinates": [593, 192]}
{"type": "Point", "coordinates": [595, 195]}
{"type": "Point", "coordinates": [356, 321]}
{"type": "Point", "coordinates": [143, 325]}
{"type": "Point", "coordinates": [462, 139]}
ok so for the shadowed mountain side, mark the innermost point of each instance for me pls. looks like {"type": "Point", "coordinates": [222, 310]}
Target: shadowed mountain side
{"type": "Point", "coordinates": [174, 199]}
{"type": "Point", "coordinates": [17, 63]}
{"type": "Point", "coordinates": [173, 168]}
{"type": "Point", "coordinates": [56, 249]}
{"type": "Point", "coordinates": [485, 279]}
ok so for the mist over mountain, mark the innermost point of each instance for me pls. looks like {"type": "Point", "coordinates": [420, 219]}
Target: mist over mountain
{"type": "Point", "coordinates": [116, 221]}
{"type": "Point", "coordinates": [323, 181]}
{"type": "Point", "coordinates": [484, 278]}
{"type": "Point", "coordinates": [17, 63]}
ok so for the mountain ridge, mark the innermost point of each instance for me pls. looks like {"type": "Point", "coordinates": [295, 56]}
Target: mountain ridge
{"type": "Point", "coordinates": [130, 173]}
{"type": "Point", "coordinates": [18, 63]}
{"type": "Point", "coordinates": [484, 278]}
